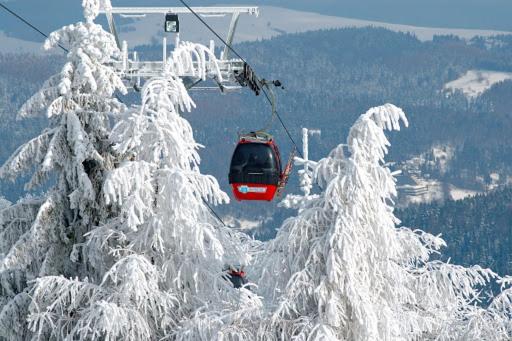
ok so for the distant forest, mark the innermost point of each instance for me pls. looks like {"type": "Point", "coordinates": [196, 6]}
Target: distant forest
{"type": "Point", "coordinates": [478, 230]}
{"type": "Point", "coordinates": [330, 78]}
{"type": "Point", "coordinates": [333, 76]}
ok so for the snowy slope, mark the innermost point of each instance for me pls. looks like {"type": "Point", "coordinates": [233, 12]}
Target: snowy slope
{"type": "Point", "coordinates": [457, 193]}
{"type": "Point", "coordinates": [273, 21]}
{"type": "Point", "coordinates": [10, 45]}
{"type": "Point", "coordinates": [475, 82]}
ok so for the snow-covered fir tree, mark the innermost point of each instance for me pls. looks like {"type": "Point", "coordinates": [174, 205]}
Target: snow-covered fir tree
{"type": "Point", "coordinates": [167, 217]}
{"type": "Point", "coordinates": [342, 269]}
{"type": "Point", "coordinates": [152, 258]}
{"type": "Point", "coordinates": [124, 246]}
{"type": "Point", "coordinates": [40, 236]}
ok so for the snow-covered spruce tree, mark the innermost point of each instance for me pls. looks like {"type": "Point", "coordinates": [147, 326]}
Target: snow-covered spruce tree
{"type": "Point", "coordinates": [492, 323]}
{"type": "Point", "coordinates": [161, 257]}
{"type": "Point", "coordinates": [342, 269]}
{"type": "Point", "coordinates": [39, 235]}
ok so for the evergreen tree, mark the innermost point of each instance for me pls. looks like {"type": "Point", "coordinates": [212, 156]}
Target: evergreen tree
{"type": "Point", "coordinates": [343, 270]}
{"type": "Point", "coordinates": [42, 236]}
{"type": "Point", "coordinates": [154, 263]}
{"type": "Point", "coordinates": [124, 246]}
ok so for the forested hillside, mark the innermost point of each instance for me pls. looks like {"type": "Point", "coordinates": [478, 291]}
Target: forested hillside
{"type": "Point", "coordinates": [478, 230]}
{"type": "Point", "coordinates": [123, 243]}
{"type": "Point", "coordinates": [329, 78]}
{"type": "Point", "coordinates": [20, 76]}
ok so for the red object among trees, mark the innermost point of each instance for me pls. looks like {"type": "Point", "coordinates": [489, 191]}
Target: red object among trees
{"type": "Point", "coordinates": [255, 171]}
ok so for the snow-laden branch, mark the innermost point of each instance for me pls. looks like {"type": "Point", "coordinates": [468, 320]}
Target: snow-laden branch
{"type": "Point", "coordinates": [159, 243]}
{"type": "Point", "coordinates": [32, 152]}
{"type": "Point", "coordinates": [341, 269]}
{"type": "Point", "coordinates": [36, 239]}
{"type": "Point", "coordinates": [156, 132]}
{"type": "Point", "coordinates": [16, 220]}
{"type": "Point", "coordinates": [45, 239]}
{"type": "Point", "coordinates": [130, 187]}
{"type": "Point", "coordinates": [85, 81]}
{"type": "Point", "coordinates": [194, 59]}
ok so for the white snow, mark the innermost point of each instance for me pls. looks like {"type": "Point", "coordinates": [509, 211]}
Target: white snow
{"type": "Point", "coordinates": [149, 29]}
{"type": "Point", "coordinates": [15, 45]}
{"type": "Point", "coordinates": [431, 190]}
{"type": "Point", "coordinates": [423, 191]}
{"type": "Point", "coordinates": [495, 177]}
{"type": "Point", "coordinates": [4, 203]}
{"type": "Point", "coordinates": [270, 23]}
{"type": "Point", "coordinates": [461, 193]}
{"type": "Point", "coordinates": [341, 268]}
{"type": "Point", "coordinates": [475, 82]}
{"type": "Point", "coordinates": [244, 224]}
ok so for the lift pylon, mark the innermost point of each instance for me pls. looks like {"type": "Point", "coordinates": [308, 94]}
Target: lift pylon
{"type": "Point", "coordinates": [133, 70]}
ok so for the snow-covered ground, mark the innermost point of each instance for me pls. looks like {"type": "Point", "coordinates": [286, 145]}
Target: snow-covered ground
{"type": "Point", "coordinates": [475, 82]}
{"type": "Point", "coordinates": [14, 45]}
{"type": "Point", "coordinates": [273, 21]}
{"type": "Point", "coordinates": [461, 193]}
{"type": "Point", "coordinates": [430, 190]}
{"type": "Point", "coordinates": [421, 191]}
{"type": "Point", "coordinates": [243, 224]}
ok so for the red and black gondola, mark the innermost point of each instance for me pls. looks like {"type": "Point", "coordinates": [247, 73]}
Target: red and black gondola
{"type": "Point", "coordinates": [255, 172]}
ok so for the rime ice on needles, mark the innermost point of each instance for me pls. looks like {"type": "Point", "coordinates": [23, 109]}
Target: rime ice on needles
{"type": "Point", "coordinates": [161, 196]}
{"type": "Point", "coordinates": [305, 176]}
{"type": "Point", "coordinates": [124, 247]}
{"type": "Point", "coordinates": [43, 237]}
{"type": "Point", "coordinates": [342, 270]}
{"type": "Point", "coordinates": [193, 58]}
{"type": "Point", "coordinates": [91, 9]}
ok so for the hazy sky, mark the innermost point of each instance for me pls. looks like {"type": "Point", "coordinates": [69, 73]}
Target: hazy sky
{"type": "Point", "coordinates": [483, 14]}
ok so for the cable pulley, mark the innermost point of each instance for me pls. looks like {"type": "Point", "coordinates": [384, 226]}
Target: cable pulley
{"type": "Point", "coordinates": [247, 78]}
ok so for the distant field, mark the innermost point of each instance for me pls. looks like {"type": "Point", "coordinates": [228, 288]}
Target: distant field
{"type": "Point", "coordinates": [270, 23]}
{"type": "Point", "coordinates": [475, 82]}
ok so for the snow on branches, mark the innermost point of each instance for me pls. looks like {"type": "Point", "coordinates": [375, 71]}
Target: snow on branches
{"type": "Point", "coordinates": [124, 246]}
{"type": "Point", "coordinates": [156, 257]}
{"type": "Point", "coordinates": [85, 80]}
{"type": "Point", "coordinates": [166, 217]}
{"type": "Point", "coordinates": [342, 270]}
{"type": "Point", "coordinates": [42, 236]}
{"type": "Point", "coordinates": [193, 58]}
{"type": "Point", "coordinates": [91, 9]}
{"type": "Point", "coordinates": [126, 304]}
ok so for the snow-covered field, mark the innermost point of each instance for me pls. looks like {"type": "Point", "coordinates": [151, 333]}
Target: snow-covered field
{"type": "Point", "coordinates": [270, 23]}
{"type": "Point", "coordinates": [243, 224]}
{"type": "Point", "coordinates": [416, 187]}
{"type": "Point", "coordinates": [14, 45]}
{"type": "Point", "coordinates": [431, 190]}
{"type": "Point", "coordinates": [461, 193]}
{"type": "Point", "coordinates": [475, 82]}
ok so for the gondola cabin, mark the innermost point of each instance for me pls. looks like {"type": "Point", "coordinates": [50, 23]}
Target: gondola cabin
{"type": "Point", "coordinates": [255, 172]}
